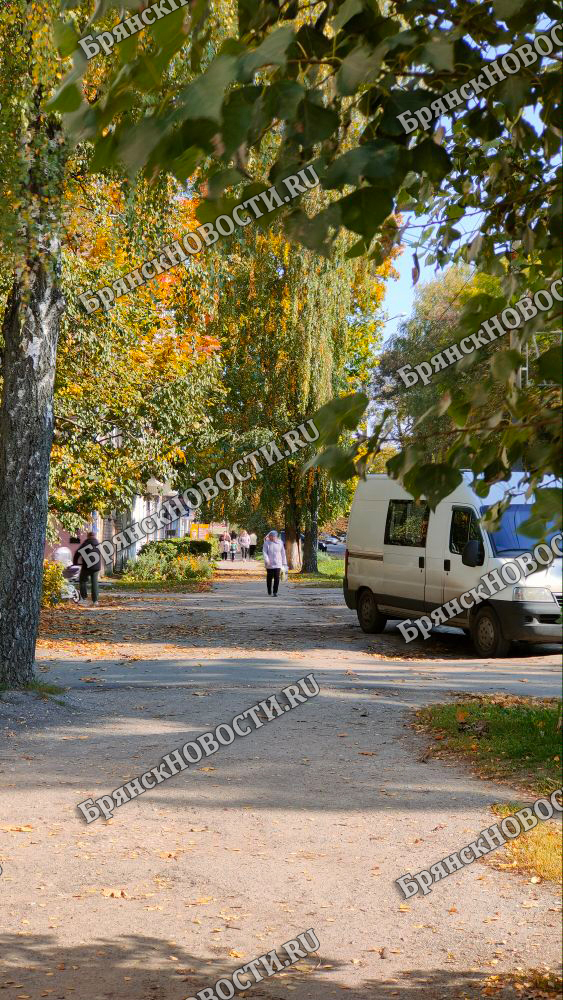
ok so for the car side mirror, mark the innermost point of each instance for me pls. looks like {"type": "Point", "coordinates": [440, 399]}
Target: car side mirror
{"type": "Point", "coordinates": [473, 553]}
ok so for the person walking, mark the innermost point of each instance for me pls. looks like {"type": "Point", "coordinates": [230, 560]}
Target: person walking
{"type": "Point", "coordinates": [224, 545]}
{"type": "Point", "coordinates": [234, 548]}
{"type": "Point", "coordinates": [253, 541]}
{"type": "Point", "coordinates": [274, 561]}
{"type": "Point", "coordinates": [88, 557]}
{"type": "Point", "coordinates": [244, 542]}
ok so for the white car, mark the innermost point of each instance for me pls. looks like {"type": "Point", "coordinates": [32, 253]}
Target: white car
{"type": "Point", "coordinates": [403, 561]}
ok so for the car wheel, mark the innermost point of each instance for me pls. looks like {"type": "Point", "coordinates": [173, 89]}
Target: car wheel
{"type": "Point", "coordinates": [369, 616]}
{"type": "Point", "coordinates": [486, 634]}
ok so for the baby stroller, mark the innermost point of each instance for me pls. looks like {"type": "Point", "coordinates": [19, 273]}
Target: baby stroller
{"type": "Point", "coordinates": [70, 590]}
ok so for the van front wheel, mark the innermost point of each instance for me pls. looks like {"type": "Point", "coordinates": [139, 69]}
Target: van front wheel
{"type": "Point", "coordinates": [486, 634]}
{"type": "Point", "coordinates": [369, 616]}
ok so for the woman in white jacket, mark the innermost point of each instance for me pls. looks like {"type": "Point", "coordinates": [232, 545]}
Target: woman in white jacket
{"type": "Point", "coordinates": [274, 560]}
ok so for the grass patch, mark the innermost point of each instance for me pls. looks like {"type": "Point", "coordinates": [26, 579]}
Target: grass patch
{"type": "Point", "coordinates": [331, 574]}
{"type": "Point", "coordinates": [41, 688]}
{"type": "Point", "coordinates": [504, 737]}
{"type": "Point", "coordinates": [538, 852]}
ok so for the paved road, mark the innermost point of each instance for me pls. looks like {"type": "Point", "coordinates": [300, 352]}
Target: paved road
{"type": "Point", "coordinates": [304, 824]}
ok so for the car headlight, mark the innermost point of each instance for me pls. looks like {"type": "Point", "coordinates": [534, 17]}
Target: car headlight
{"type": "Point", "coordinates": [538, 595]}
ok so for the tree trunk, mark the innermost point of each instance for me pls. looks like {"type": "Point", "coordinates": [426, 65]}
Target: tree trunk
{"type": "Point", "coordinates": [30, 331]}
{"type": "Point", "coordinates": [292, 546]}
{"type": "Point", "coordinates": [292, 527]}
{"type": "Point", "coordinates": [311, 543]}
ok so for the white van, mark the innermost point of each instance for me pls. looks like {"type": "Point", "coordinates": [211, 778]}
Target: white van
{"type": "Point", "coordinates": [403, 560]}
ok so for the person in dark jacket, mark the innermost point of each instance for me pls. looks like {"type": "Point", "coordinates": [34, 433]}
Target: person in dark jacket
{"type": "Point", "coordinates": [88, 557]}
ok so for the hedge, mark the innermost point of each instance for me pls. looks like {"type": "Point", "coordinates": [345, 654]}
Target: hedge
{"type": "Point", "coordinates": [179, 547]}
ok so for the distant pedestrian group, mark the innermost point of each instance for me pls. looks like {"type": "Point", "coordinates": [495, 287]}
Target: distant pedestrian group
{"type": "Point", "coordinates": [230, 544]}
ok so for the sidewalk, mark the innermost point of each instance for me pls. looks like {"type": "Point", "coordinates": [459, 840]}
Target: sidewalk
{"type": "Point", "coordinates": [306, 823]}
{"type": "Point", "coordinates": [244, 567]}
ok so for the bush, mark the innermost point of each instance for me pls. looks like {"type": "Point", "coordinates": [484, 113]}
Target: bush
{"type": "Point", "coordinates": [53, 583]}
{"type": "Point", "coordinates": [198, 546]}
{"type": "Point", "coordinates": [166, 565]}
{"type": "Point", "coordinates": [179, 546]}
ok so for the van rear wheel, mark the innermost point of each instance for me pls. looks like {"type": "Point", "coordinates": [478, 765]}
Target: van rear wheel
{"type": "Point", "coordinates": [369, 616]}
{"type": "Point", "coordinates": [486, 634]}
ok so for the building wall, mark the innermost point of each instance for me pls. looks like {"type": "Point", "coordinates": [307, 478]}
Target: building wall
{"type": "Point", "coordinates": [142, 507]}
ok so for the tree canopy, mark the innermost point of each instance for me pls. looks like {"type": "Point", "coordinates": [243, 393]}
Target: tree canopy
{"type": "Point", "coordinates": [332, 83]}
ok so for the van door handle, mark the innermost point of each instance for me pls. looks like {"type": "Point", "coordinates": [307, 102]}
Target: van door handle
{"type": "Point", "coordinates": [447, 565]}
{"type": "Point", "coordinates": [421, 562]}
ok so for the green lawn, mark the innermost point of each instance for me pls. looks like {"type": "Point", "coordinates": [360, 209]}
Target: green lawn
{"type": "Point", "coordinates": [516, 739]}
{"type": "Point", "coordinates": [42, 689]}
{"type": "Point", "coordinates": [331, 574]}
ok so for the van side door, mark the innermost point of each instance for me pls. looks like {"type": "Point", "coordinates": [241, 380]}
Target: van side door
{"type": "Point", "coordinates": [404, 555]}
{"type": "Point", "coordinates": [464, 525]}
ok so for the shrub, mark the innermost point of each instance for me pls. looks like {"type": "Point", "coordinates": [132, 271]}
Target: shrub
{"type": "Point", "coordinates": [190, 567]}
{"type": "Point", "coordinates": [179, 546]}
{"type": "Point", "coordinates": [164, 566]}
{"type": "Point", "coordinates": [53, 583]}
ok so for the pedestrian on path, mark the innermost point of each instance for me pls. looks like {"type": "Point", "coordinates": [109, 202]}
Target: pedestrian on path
{"type": "Point", "coordinates": [234, 548]}
{"type": "Point", "coordinates": [274, 561]}
{"type": "Point", "coordinates": [244, 542]}
{"type": "Point", "coordinates": [224, 545]}
{"type": "Point", "coordinates": [252, 544]}
{"type": "Point", "coordinates": [88, 557]}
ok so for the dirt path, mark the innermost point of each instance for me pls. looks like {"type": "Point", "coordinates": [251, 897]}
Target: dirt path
{"type": "Point", "coordinates": [304, 824]}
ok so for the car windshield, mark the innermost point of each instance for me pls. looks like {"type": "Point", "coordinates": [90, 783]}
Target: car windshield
{"type": "Point", "coordinates": [508, 537]}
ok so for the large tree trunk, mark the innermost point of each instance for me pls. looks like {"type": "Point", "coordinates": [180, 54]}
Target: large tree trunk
{"type": "Point", "coordinates": [311, 543]}
{"type": "Point", "coordinates": [30, 331]}
{"type": "Point", "coordinates": [292, 526]}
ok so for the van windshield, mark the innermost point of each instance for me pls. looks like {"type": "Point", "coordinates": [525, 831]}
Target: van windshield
{"type": "Point", "coordinates": [508, 537]}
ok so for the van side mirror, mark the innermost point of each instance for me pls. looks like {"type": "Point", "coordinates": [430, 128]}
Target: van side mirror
{"type": "Point", "coordinates": [473, 553]}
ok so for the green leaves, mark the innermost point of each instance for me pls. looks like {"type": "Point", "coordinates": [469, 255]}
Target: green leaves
{"type": "Point", "coordinates": [316, 122]}
{"type": "Point", "coordinates": [67, 98]}
{"type": "Point", "coordinates": [66, 38]}
{"type": "Point", "coordinates": [272, 52]}
{"type": "Point", "coordinates": [337, 460]}
{"type": "Point", "coordinates": [549, 365]}
{"type": "Point", "coordinates": [343, 413]}
{"type": "Point", "coordinates": [204, 97]}
{"type": "Point", "coordinates": [332, 420]}
{"type": "Point", "coordinates": [381, 162]}
{"type": "Point", "coordinates": [513, 92]}
{"type": "Point", "coordinates": [432, 160]}
{"type": "Point", "coordinates": [544, 512]}
{"type": "Point", "coordinates": [365, 209]}
{"type": "Point", "coordinates": [360, 66]}
{"type": "Point", "coordinates": [236, 117]}
{"type": "Point", "coordinates": [505, 363]}
{"type": "Point", "coordinates": [346, 11]}
{"type": "Point", "coordinates": [433, 481]}
{"type": "Point", "coordinates": [440, 55]}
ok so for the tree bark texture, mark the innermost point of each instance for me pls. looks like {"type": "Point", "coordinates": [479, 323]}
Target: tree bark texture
{"type": "Point", "coordinates": [292, 526]}
{"type": "Point", "coordinates": [311, 542]}
{"type": "Point", "coordinates": [30, 333]}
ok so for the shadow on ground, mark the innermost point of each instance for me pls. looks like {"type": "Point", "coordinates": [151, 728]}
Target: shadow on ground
{"type": "Point", "coordinates": [148, 968]}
